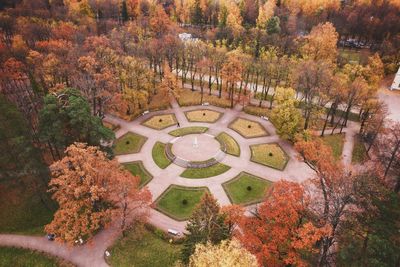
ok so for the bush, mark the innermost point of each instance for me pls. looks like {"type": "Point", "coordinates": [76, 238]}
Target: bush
{"type": "Point", "coordinates": [184, 202]}
{"type": "Point", "coordinates": [249, 188]}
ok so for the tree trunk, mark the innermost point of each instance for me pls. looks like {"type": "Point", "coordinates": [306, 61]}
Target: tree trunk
{"type": "Point", "coordinates": [392, 158]}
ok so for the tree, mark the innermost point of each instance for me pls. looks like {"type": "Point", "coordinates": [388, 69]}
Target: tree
{"type": "Point", "coordinates": [90, 190]}
{"type": "Point", "coordinates": [227, 253]}
{"type": "Point", "coordinates": [234, 19]}
{"type": "Point", "coordinates": [388, 152]}
{"type": "Point", "coordinates": [333, 193]}
{"type": "Point", "coordinates": [273, 25]}
{"type": "Point", "coordinates": [278, 234]}
{"type": "Point", "coordinates": [265, 13]}
{"type": "Point", "coordinates": [205, 225]}
{"type": "Point", "coordinates": [286, 117]}
{"type": "Point", "coordinates": [169, 84]}
{"type": "Point", "coordinates": [20, 158]}
{"type": "Point", "coordinates": [370, 234]}
{"type": "Point", "coordinates": [124, 11]}
{"type": "Point", "coordinates": [321, 43]}
{"type": "Point", "coordinates": [66, 118]}
{"type": "Point", "coordinates": [231, 73]}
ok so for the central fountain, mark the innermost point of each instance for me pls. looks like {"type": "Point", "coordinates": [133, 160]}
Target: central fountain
{"type": "Point", "coordinates": [195, 142]}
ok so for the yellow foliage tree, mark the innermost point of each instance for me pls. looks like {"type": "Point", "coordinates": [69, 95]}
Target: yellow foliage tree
{"type": "Point", "coordinates": [229, 253]}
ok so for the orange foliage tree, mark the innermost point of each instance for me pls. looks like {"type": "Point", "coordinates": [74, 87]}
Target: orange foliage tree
{"type": "Point", "coordinates": [277, 234]}
{"type": "Point", "coordinates": [91, 191]}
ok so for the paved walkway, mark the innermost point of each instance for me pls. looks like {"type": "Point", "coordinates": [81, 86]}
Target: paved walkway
{"type": "Point", "coordinates": [93, 254]}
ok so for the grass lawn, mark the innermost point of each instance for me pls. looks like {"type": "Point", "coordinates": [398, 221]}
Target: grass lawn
{"type": "Point", "coordinates": [271, 155]}
{"type": "Point", "coordinates": [248, 128]}
{"type": "Point", "coordinates": [143, 249]}
{"type": "Point", "coordinates": [232, 147]}
{"type": "Point", "coordinates": [159, 156]}
{"type": "Point", "coordinates": [203, 115]}
{"type": "Point", "coordinates": [246, 189]}
{"type": "Point", "coordinates": [18, 257]}
{"type": "Point", "coordinates": [257, 111]}
{"type": "Point", "coordinates": [179, 202]}
{"type": "Point", "coordinates": [336, 142]}
{"type": "Point", "coordinates": [189, 98]}
{"type": "Point", "coordinates": [188, 130]}
{"type": "Point", "coordinates": [137, 169]}
{"type": "Point", "coordinates": [22, 211]}
{"type": "Point", "coordinates": [213, 170]}
{"type": "Point", "coordinates": [359, 151]}
{"type": "Point", "coordinates": [159, 122]}
{"type": "Point", "coordinates": [129, 143]}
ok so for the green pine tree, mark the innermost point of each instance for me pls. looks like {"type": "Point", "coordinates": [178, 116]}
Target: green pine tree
{"type": "Point", "coordinates": [205, 225]}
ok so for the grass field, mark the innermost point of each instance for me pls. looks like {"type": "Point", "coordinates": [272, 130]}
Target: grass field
{"type": "Point", "coordinates": [18, 257]}
{"type": "Point", "coordinates": [246, 189]}
{"type": "Point", "coordinates": [188, 130]}
{"type": "Point", "coordinates": [248, 128]}
{"type": "Point", "coordinates": [271, 155]}
{"type": "Point", "coordinates": [22, 211]}
{"type": "Point", "coordinates": [203, 115]}
{"type": "Point", "coordinates": [359, 151]}
{"type": "Point", "coordinates": [129, 143]}
{"type": "Point", "coordinates": [335, 142]}
{"type": "Point", "coordinates": [159, 122]}
{"type": "Point", "coordinates": [213, 170]}
{"type": "Point", "coordinates": [232, 147]}
{"type": "Point", "coordinates": [159, 156]}
{"type": "Point", "coordinates": [179, 202]}
{"type": "Point", "coordinates": [143, 248]}
{"type": "Point", "coordinates": [189, 98]}
{"type": "Point", "coordinates": [137, 169]}
{"type": "Point", "coordinates": [257, 111]}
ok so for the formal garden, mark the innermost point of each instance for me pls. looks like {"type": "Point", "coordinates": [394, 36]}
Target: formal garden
{"type": "Point", "coordinates": [221, 151]}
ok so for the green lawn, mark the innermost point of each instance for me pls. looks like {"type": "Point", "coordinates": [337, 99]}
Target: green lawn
{"type": "Point", "coordinates": [18, 257]}
{"type": "Point", "coordinates": [188, 130]}
{"type": "Point", "coordinates": [143, 249]}
{"type": "Point", "coordinates": [213, 170]}
{"type": "Point", "coordinates": [129, 143]}
{"type": "Point", "coordinates": [179, 202]}
{"type": "Point", "coordinates": [137, 169]}
{"type": "Point", "coordinates": [22, 211]}
{"type": "Point", "coordinates": [359, 151]}
{"type": "Point", "coordinates": [271, 155]}
{"type": "Point", "coordinates": [336, 142]}
{"type": "Point", "coordinates": [159, 156]}
{"type": "Point", "coordinates": [232, 147]}
{"type": "Point", "coordinates": [246, 188]}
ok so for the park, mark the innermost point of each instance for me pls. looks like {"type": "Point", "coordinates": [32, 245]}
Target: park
{"type": "Point", "coordinates": [199, 133]}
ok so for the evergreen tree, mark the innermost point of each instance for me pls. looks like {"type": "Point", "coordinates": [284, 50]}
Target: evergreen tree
{"type": "Point", "coordinates": [66, 118]}
{"type": "Point", "coordinates": [197, 13]}
{"type": "Point", "coordinates": [124, 11]}
{"type": "Point", "coordinates": [205, 225]}
{"type": "Point", "coordinates": [273, 25]}
{"type": "Point", "coordinates": [19, 157]}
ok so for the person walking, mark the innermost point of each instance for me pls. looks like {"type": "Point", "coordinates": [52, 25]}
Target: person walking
{"type": "Point", "coordinates": [177, 124]}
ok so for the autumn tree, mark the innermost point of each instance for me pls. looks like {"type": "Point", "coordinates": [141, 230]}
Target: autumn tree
{"type": "Point", "coordinates": [278, 234]}
{"type": "Point", "coordinates": [66, 118]}
{"type": "Point", "coordinates": [205, 225]}
{"type": "Point", "coordinates": [286, 117]}
{"type": "Point", "coordinates": [265, 13]}
{"type": "Point", "coordinates": [91, 190]}
{"type": "Point", "coordinates": [321, 43]}
{"type": "Point", "coordinates": [227, 253]}
{"type": "Point", "coordinates": [231, 73]}
{"type": "Point", "coordinates": [169, 84]}
{"type": "Point", "coordinates": [334, 192]}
